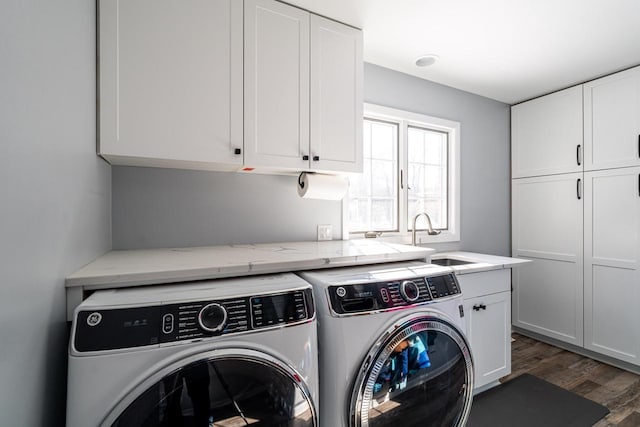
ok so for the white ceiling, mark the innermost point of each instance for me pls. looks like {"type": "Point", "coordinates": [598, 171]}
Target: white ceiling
{"type": "Point", "coordinates": [508, 50]}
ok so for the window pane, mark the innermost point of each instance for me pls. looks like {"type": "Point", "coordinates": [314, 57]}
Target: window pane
{"type": "Point", "coordinates": [383, 136]}
{"type": "Point", "coordinates": [383, 178]}
{"type": "Point", "coordinates": [374, 194]}
{"type": "Point", "coordinates": [416, 144]}
{"type": "Point", "coordinates": [428, 177]}
{"type": "Point", "coordinates": [383, 211]}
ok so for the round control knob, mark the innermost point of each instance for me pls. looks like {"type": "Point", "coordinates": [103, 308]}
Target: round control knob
{"type": "Point", "coordinates": [212, 317]}
{"type": "Point", "coordinates": [409, 291]}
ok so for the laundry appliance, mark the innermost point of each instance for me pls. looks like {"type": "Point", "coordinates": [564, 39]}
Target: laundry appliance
{"type": "Point", "coordinates": [393, 350]}
{"type": "Point", "coordinates": [207, 354]}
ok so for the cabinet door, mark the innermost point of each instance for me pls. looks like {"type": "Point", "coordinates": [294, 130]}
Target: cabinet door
{"type": "Point", "coordinates": [612, 263]}
{"type": "Point", "coordinates": [547, 229]}
{"type": "Point", "coordinates": [546, 134]}
{"type": "Point", "coordinates": [276, 83]}
{"type": "Point", "coordinates": [336, 96]}
{"type": "Point", "coordinates": [170, 85]}
{"type": "Point", "coordinates": [612, 121]}
{"type": "Point", "coordinates": [489, 332]}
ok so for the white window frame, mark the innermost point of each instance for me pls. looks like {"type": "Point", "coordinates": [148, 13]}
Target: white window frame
{"type": "Point", "coordinates": [404, 120]}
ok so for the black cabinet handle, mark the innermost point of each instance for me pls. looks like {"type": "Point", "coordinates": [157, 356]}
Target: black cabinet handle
{"type": "Point", "coordinates": [479, 307]}
{"type": "Point", "coordinates": [316, 158]}
{"type": "Point", "coordinates": [305, 157]}
{"type": "Point", "coordinates": [578, 189]}
{"type": "Point", "coordinates": [237, 151]}
{"type": "Point", "coordinates": [578, 156]}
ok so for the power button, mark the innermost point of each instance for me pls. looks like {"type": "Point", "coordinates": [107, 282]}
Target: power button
{"type": "Point", "coordinates": [167, 323]}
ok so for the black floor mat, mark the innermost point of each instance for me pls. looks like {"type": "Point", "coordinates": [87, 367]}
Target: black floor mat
{"type": "Point", "coordinates": [529, 401]}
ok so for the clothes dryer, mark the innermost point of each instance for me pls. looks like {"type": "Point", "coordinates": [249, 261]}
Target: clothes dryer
{"type": "Point", "coordinates": [392, 345]}
{"type": "Point", "coordinates": [215, 353]}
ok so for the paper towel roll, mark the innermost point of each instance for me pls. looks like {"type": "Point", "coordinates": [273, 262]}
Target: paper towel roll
{"type": "Point", "coordinates": [324, 187]}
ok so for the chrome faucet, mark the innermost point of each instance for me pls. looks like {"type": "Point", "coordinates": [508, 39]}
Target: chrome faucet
{"type": "Point", "coordinates": [430, 229]}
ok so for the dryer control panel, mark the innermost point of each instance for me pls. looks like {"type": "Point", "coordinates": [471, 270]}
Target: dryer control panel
{"type": "Point", "coordinates": [118, 328]}
{"type": "Point", "coordinates": [368, 297]}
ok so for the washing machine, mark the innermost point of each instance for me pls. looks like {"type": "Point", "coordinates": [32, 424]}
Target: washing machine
{"type": "Point", "coordinates": [214, 353]}
{"type": "Point", "coordinates": [393, 350]}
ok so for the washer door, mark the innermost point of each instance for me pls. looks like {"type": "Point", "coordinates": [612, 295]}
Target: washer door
{"type": "Point", "coordinates": [420, 373]}
{"type": "Point", "coordinates": [228, 388]}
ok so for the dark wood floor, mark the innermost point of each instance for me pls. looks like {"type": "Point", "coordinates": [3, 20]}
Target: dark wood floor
{"type": "Point", "coordinates": [614, 388]}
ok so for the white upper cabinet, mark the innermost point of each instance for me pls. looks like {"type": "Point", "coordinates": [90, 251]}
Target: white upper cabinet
{"type": "Point", "coordinates": [336, 96]}
{"type": "Point", "coordinates": [612, 263]}
{"type": "Point", "coordinates": [546, 134]}
{"type": "Point", "coordinates": [303, 90]}
{"type": "Point", "coordinates": [170, 83]}
{"type": "Point", "coordinates": [612, 121]}
{"type": "Point", "coordinates": [276, 81]}
{"type": "Point", "coordinates": [228, 85]}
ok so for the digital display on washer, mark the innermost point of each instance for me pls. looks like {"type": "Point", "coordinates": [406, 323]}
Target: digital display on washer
{"type": "Point", "coordinates": [277, 309]}
{"type": "Point", "coordinates": [368, 297]}
{"type": "Point", "coordinates": [115, 328]}
{"type": "Point", "coordinates": [442, 286]}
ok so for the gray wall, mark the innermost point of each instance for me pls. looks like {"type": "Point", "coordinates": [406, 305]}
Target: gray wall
{"type": "Point", "coordinates": [167, 208]}
{"type": "Point", "coordinates": [484, 146]}
{"type": "Point", "coordinates": [54, 196]}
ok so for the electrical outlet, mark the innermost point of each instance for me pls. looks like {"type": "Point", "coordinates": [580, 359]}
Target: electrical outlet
{"type": "Point", "coordinates": [325, 232]}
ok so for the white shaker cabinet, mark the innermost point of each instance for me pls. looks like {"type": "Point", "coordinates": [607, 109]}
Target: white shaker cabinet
{"type": "Point", "coordinates": [546, 134]}
{"type": "Point", "coordinates": [336, 96]}
{"type": "Point", "coordinates": [276, 82]}
{"type": "Point", "coordinates": [612, 121]}
{"type": "Point", "coordinates": [303, 90]}
{"type": "Point", "coordinates": [612, 263]}
{"type": "Point", "coordinates": [547, 228]}
{"type": "Point", "coordinates": [487, 310]}
{"type": "Point", "coordinates": [170, 83]}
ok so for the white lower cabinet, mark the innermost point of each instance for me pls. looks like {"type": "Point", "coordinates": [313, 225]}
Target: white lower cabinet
{"type": "Point", "coordinates": [547, 229]}
{"type": "Point", "coordinates": [612, 263]}
{"type": "Point", "coordinates": [487, 308]}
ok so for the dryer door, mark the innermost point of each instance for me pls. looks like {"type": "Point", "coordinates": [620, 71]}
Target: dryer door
{"type": "Point", "coordinates": [224, 388]}
{"type": "Point", "coordinates": [419, 373]}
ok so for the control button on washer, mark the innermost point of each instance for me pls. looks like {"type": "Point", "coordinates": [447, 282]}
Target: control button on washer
{"type": "Point", "coordinates": [384, 294]}
{"type": "Point", "coordinates": [167, 323]}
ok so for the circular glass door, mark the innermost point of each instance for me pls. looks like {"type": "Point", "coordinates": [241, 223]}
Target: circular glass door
{"type": "Point", "coordinates": [223, 391]}
{"type": "Point", "coordinates": [420, 373]}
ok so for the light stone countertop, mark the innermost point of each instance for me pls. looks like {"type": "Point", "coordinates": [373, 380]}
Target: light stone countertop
{"type": "Point", "coordinates": [479, 262]}
{"type": "Point", "coordinates": [126, 268]}
{"type": "Point", "coordinates": [152, 266]}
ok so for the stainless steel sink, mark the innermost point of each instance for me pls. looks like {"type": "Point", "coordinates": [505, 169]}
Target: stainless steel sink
{"type": "Point", "coordinates": [448, 262]}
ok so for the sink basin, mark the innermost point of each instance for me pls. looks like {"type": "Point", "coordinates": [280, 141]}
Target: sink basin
{"type": "Point", "coordinates": [448, 262]}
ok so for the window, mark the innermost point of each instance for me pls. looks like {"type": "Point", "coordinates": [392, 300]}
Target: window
{"type": "Point", "coordinates": [411, 165]}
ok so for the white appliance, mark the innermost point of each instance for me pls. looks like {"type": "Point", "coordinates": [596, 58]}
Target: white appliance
{"type": "Point", "coordinates": [214, 353]}
{"type": "Point", "coordinates": [392, 345]}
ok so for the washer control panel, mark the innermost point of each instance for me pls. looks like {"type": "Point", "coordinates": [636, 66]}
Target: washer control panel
{"type": "Point", "coordinates": [367, 297]}
{"type": "Point", "coordinates": [117, 328]}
